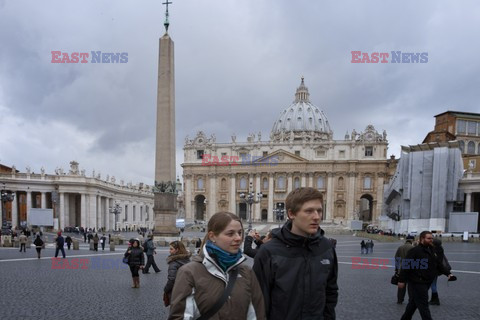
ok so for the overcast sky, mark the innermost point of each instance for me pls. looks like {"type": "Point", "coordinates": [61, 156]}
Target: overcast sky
{"type": "Point", "coordinates": [237, 63]}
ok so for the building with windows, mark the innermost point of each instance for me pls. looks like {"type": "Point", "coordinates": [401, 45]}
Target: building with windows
{"type": "Point", "coordinates": [456, 125]}
{"type": "Point", "coordinates": [300, 151]}
{"type": "Point", "coordinates": [75, 199]}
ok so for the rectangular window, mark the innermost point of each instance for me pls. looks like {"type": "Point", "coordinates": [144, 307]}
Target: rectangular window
{"type": "Point", "coordinates": [199, 154]}
{"type": "Point", "coordinates": [224, 154]}
{"type": "Point", "coordinates": [341, 154]}
{"type": "Point", "coordinates": [472, 128]}
{"type": "Point", "coordinates": [297, 153]}
{"type": "Point", "coordinates": [369, 151]}
{"type": "Point", "coordinates": [321, 153]}
{"type": "Point", "coordinates": [461, 126]}
{"type": "Point", "coordinates": [134, 213]}
{"type": "Point", "coordinates": [367, 183]}
{"type": "Point", "coordinates": [265, 153]}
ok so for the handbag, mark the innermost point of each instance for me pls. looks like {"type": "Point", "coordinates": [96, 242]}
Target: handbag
{"type": "Point", "coordinates": [218, 305]}
{"type": "Point", "coordinates": [395, 279]}
{"type": "Point", "coordinates": [166, 299]}
{"type": "Point", "coordinates": [125, 260]}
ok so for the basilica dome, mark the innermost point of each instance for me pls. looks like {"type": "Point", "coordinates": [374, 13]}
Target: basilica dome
{"type": "Point", "coordinates": [301, 119]}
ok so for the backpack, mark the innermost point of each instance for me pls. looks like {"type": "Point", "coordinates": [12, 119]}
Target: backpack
{"type": "Point", "coordinates": [145, 246]}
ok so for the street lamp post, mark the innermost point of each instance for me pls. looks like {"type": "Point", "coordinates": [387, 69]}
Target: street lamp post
{"type": "Point", "coordinates": [250, 198]}
{"type": "Point", "coordinates": [116, 210]}
{"type": "Point", "coordinates": [6, 197]}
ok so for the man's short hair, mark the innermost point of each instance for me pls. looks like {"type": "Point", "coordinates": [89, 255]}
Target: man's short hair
{"type": "Point", "coordinates": [423, 234]}
{"type": "Point", "coordinates": [298, 197]}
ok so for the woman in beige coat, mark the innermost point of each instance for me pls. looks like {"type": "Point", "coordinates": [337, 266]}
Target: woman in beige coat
{"type": "Point", "coordinates": [200, 283]}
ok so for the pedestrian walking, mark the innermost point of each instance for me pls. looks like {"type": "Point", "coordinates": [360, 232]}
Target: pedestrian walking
{"type": "Point", "coordinates": [84, 236]}
{"type": "Point", "coordinates": [150, 251]}
{"type": "Point", "coordinates": [423, 268]}
{"type": "Point", "coordinates": [178, 257]}
{"type": "Point", "coordinates": [438, 250]}
{"type": "Point", "coordinates": [136, 261]}
{"type": "Point", "coordinates": [69, 241]}
{"type": "Point", "coordinates": [217, 284]}
{"type": "Point", "coordinates": [38, 245]}
{"type": "Point", "coordinates": [96, 239]}
{"type": "Point", "coordinates": [103, 239]}
{"type": "Point", "coordinates": [297, 269]}
{"type": "Point", "coordinates": [363, 247]}
{"type": "Point", "coordinates": [371, 246]}
{"type": "Point", "coordinates": [60, 242]}
{"type": "Point", "coordinates": [399, 256]}
{"type": "Point", "coordinates": [23, 241]}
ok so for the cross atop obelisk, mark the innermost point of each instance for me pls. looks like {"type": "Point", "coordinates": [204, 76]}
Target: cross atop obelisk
{"type": "Point", "coordinates": [166, 23]}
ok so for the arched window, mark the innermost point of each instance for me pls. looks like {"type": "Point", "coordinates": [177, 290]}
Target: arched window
{"type": "Point", "coordinates": [243, 183]}
{"type": "Point", "coordinates": [461, 145]}
{"type": "Point", "coordinates": [320, 183]}
{"type": "Point", "coordinates": [296, 183]}
{"type": "Point", "coordinates": [200, 183]}
{"type": "Point", "coordinates": [265, 184]}
{"type": "Point", "coordinates": [367, 182]}
{"type": "Point", "coordinates": [281, 182]}
{"type": "Point", "coordinates": [471, 147]}
{"type": "Point", "coordinates": [223, 184]}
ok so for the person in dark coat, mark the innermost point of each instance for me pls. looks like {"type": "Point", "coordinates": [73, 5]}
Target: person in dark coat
{"type": "Point", "coordinates": [38, 245]}
{"type": "Point", "coordinates": [103, 239]}
{"type": "Point", "coordinates": [438, 250]}
{"type": "Point", "coordinates": [84, 236]}
{"type": "Point", "coordinates": [177, 258]}
{"type": "Point", "coordinates": [96, 239]}
{"type": "Point", "coordinates": [60, 242]}
{"type": "Point", "coordinates": [297, 269]}
{"type": "Point", "coordinates": [150, 252]}
{"type": "Point", "coordinates": [399, 256]}
{"type": "Point", "coordinates": [419, 269]}
{"type": "Point", "coordinates": [136, 261]}
{"type": "Point", "coordinates": [254, 237]}
{"type": "Point", "coordinates": [363, 246]}
{"type": "Point", "coordinates": [69, 241]}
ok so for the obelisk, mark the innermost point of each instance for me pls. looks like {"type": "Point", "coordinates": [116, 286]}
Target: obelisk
{"type": "Point", "coordinates": [165, 193]}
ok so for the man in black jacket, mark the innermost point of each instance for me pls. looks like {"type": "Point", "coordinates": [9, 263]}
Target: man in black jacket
{"type": "Point", "coordinates": [297, 269]}
{"type": "Point", "coordinates": [419, 268]}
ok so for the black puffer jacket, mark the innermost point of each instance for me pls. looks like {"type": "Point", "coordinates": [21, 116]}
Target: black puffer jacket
{"type": "Point", "coordinates": [428, 264]}
{"type": "Point", "coordinates": [298, 276]}
{"type": "Point", "coordinates": [174, 263]}
{"type": "Point", "coordinates": [135, 257]}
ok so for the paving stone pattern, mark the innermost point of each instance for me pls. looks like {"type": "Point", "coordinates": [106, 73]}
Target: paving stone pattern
{"type": "Point", "coordinates": [31, 289]}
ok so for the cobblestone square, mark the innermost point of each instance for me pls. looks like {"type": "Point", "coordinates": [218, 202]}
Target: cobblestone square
{"type": "Point", "coordinates": [32, 289]}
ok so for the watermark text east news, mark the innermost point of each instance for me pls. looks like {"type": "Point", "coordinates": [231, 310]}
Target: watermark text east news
{"type": "Point", "coordinates": [382, 57]}
{"type": "Point", "coordinates": [96, 57]}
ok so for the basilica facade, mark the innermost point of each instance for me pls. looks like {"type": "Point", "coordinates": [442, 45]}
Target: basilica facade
{"type": "Point", "coordinates": [299, 152]}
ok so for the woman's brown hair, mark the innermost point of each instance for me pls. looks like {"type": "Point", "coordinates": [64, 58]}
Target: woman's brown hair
{"type": "Point", "coordinates": [178, 245]}
{"type": "Point", "coordinates": [218, 222]}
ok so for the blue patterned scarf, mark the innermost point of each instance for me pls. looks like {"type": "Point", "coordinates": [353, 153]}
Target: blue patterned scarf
{"type": "Point", "coordinates": [224, 259]}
